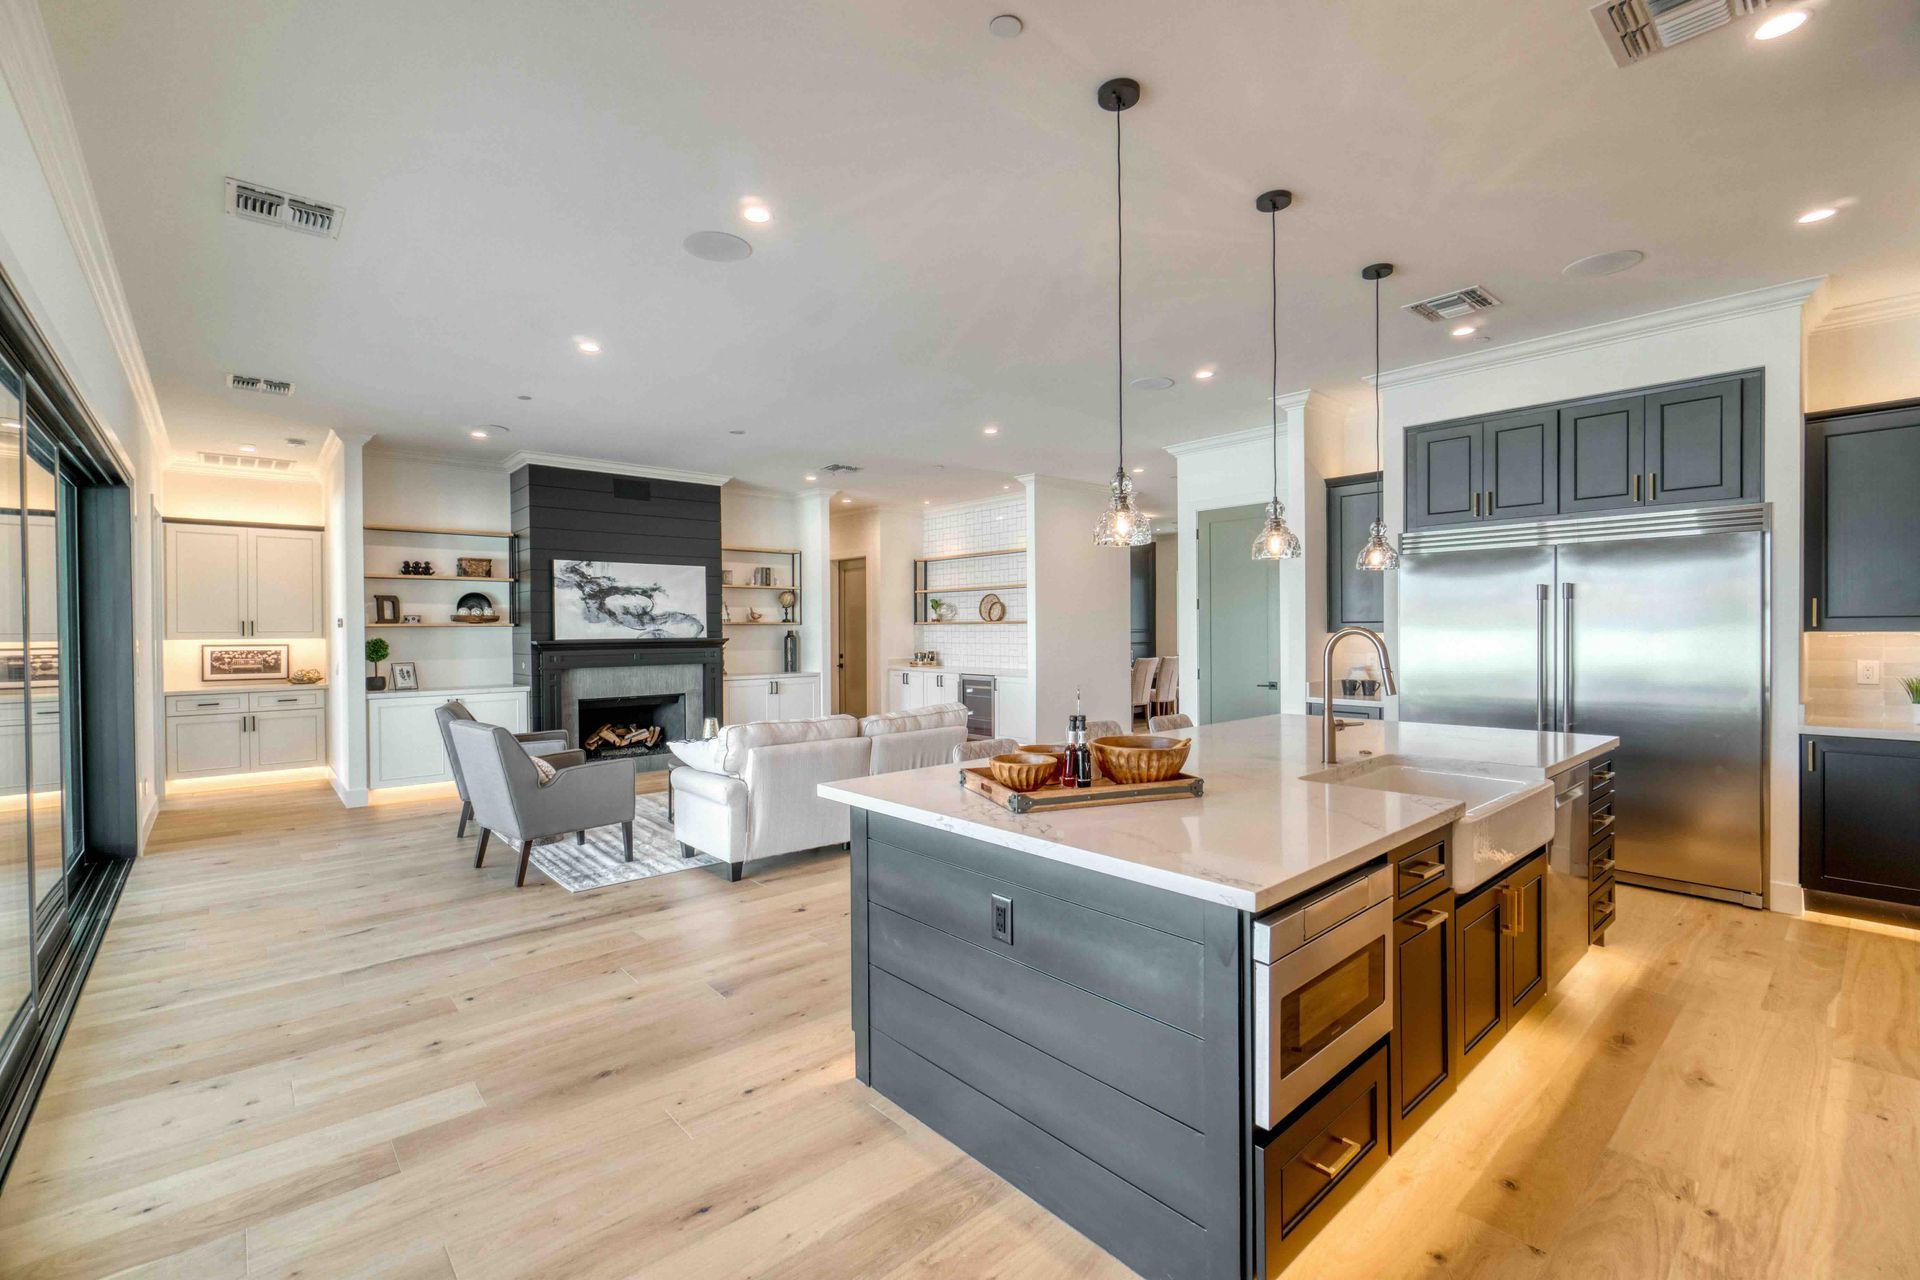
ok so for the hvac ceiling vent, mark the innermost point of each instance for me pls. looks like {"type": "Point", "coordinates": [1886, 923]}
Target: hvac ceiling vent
{"type": "Point", "coordinates": [1635, 30]}
{"type": "Point", "coordinates": [245, 461]}
{"type": "Point", "coordinates": [1451, 306]}
{"type": "Point", "coordinates": [265, 386]}
{"type": "Point", "coordinates": [841, 468]}
{"type": "Point", "coordinates": [256, 203]}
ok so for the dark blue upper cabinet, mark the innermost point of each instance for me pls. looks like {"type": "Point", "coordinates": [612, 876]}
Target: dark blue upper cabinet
{"type": "Point", "coordinates": [1354, 596]}
{"type": "Point", "coordinates": [1522, 475]}
{"type": "Point", "coordinates": [1863, 520]}
{"type": "Point", "coordinates": [1693, 449]}
{"type": "Point", "coordinates": [1444, 476]}
{"type": "Point", "coordinates": [1602, 448]}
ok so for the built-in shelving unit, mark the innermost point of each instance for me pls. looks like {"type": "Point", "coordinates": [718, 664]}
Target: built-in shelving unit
{"type": "Point", "coordinates": [792, 557]}
{"type": "Point", "coordinates": [444, 532]}
{"type": "Point", "coordinates": [924, 590]}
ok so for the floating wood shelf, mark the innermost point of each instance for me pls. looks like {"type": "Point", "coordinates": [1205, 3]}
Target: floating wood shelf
{"type": "Point", "coordinates": [985, 586]}
{"type": "Point", "coordinates": [973, 555]}
{"type": "Point", "coordinates": [763, 623]}
{"type": "Point", "coordinates": [1004, 622]}
{"type": "Point", "coordinates": [756, 586]}
{"type": "Point", "coordinates": [426, 577]}
{"type": "Point", "coordinates": [458, 533]}
{"type": "Point", "coordinates": [764, 551]}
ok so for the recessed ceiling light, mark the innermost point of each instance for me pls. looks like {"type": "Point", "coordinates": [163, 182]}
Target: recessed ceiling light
{"type": "Point", "coordinates": [1006, 486]}
{"type": "Point", "coordinates": [989, 430]}
{"type": "Point", "coordinates": [846, 502]}
{"type": "Point", "coordinates": [756, 213]}
{"type": "Point", "coordinates": [1006, 26]}
{"type": "Point", "coordinates": [1138, 470]}
{"type": "Point", "coordinates": [587, 345]}
{"type": "Point", "coordinates": [1780, 24]}
{"type": "Point", "coordinates": [247, 448]}
{"type": "Point", "coordinates": [1609, 263]}
{"type": "Point", "coordinates": [717, 246]}
{"type": "Point", "coordinates": [926, 502]}
{"type": "Point", "coordinates": [1463, 331]}
{"type": "Point", "coordinates": [1203, 374]}
{"type": "Point", "coordinates": [1815, 215]}
{"type": "Point", "coordinates": [477, 434]}
{"type": "Point", "coordinates": [812, 478]}
{"type": "Point", "coordinates": [1151, 384]}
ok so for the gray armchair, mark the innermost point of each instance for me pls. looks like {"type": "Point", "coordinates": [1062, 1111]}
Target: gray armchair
{"type": "Point", "coordinates": [541, 742]}
{"type": "Point", "coordinates": [507, 797]}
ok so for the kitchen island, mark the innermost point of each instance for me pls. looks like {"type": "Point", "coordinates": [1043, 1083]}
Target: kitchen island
{"type": "Point", "coordinates": [1098, 1004]}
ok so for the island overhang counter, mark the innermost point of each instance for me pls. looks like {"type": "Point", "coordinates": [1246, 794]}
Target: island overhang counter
{"type": "Point", "coordinates": [1071, 996]}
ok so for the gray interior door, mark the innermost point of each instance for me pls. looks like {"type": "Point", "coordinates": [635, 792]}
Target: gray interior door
{"type": "Point", "coordinates": [1666, 649]}
{"type": "Point", "coordinates": [1239, 618]}
{"type": "Point", "coordinates": [1473, 634]}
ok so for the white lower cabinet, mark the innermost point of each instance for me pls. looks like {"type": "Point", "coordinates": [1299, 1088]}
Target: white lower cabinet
{"type": "Point", "coordinates": [771, 697]}
{"type": "Point", "coordinates": [1013, 710]}
{"type": "Point", "coordinates": [911, 689]}
{"type": "Point", "coordinates": [258, 732]}
{"type": "Point", "coordinates": [403, 739]}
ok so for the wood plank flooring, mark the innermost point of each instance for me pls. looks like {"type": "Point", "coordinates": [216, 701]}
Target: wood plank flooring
{"type": "Point", "coordinates": [318, 1043]}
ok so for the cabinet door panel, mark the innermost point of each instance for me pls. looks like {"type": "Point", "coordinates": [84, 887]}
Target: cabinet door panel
{"type": "Point", "coordinates": [1601, 451]}
{"type": "Point", "coordinates": [1444, 470]}
{"type": "Point", "coordinates": [1860, 818]}
{"type": "Point", "coordinates": [284, 583]}
{"type": "Point", "coordinates": [206, 581]}
{"type": "Point", "coordinates": [798, 697]}
{"type": "Point", "coordinates": [747, 701]}
{"type": "Point", "coordinates": [899, 690]}
{"type": "Point", "coordinates": [1526, 939]}
{"type": "Point", "coordinates": [288, 739]}
{"type": "Point", "coordinates": [1863, 519]}
{"type": "Point", "coordinates": [1354, 596]}
{"type": "Point", "coordinates": [1522, 472]}
{"type": "Point", "coordinates": [203, 746]}
{"type": "Point", "coordinates": [1480, 957]}
{"type": "Point", "coordinates": [1425, 995]}
{"type": "Point", "coordinates": [1693, 447]}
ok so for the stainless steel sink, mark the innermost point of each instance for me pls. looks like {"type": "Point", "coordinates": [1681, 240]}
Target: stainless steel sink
{"type": "Point", "coordinates": [1509, 810]}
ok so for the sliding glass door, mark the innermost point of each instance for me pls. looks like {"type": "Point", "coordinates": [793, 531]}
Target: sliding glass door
{"type": "Point", "coordinates": [49, 590]}
{"type": "Point", "coordinates": [16, 879]}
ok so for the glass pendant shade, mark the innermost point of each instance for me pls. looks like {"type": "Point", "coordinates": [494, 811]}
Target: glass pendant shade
{"type": "Point", "coordinates": [1275, 541]}
{"type": "Point", "coordinates": [1379, 554]}
{"type": "Point", "coordinates": [1121, 524]}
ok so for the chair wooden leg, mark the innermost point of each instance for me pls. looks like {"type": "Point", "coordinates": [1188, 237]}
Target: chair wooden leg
{"type": "Point", "coordinates": [626, 838]}
{"type": "Point", "coordinates": [466, 811]}
{"type": "Point", "coordinates": [480, 854]}
{"type": "Point", "coordinates": [526, 852]}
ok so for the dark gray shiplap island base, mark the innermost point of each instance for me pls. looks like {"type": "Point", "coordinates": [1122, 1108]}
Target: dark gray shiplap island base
{"type": "Point", "coordinates": [1067, 998]}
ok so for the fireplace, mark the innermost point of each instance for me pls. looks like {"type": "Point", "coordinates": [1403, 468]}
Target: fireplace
{"type": "Point", "coordinates": [642, 725]}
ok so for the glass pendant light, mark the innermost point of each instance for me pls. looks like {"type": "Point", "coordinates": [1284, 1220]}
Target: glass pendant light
{"type": "Point", "coordinates": [1275, 541]}
{"type": "Point", "coordinates": [1121, 524]}
{"type": "Point", "coordinates": [1379, 555]}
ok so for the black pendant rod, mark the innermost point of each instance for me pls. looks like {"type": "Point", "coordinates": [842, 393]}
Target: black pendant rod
{"type": "Point", "coordinates": [1273, 281]}
{"type": "Point", "coordinates": [1377, 272]}
{"type": "Point", "coordinates": [1119, 297]}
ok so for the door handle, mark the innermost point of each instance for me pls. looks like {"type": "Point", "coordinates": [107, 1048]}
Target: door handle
{"type": "Point", "coordinates": [1566, 657]}
{"type": "Point", "coordinates": [1636, 486]}
{"type": "Point", "coordinates": [1268, 684]}
{"type": "Point", "coordinates": [1476, 504]}
{"type": "Point", "coordinates": [1489, 504]}
{"type": "Point", "coordinates": [1653, 486]}
{"type": "Point", "coordinates": [1541, 657]}
{"type": "Point", "coordinates": [1816, 613]}
{"type": "Point", "coordinates": [1346, 1157]}
{"type": "Point", "coordinates": [1423, 871]}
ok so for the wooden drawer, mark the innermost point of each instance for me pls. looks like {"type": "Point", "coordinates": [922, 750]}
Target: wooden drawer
{"type": "Point", "coordinates": [291, 700]}
{"type": "Point", "coordinates": [1600, 860]}
{"type": "Point", "coordinates": [1419, 872]}
{"type": "Point", "coordinates": [1312, 1165]}
{"type": "Point", "coordinates": [205, 704]}
{"type": "Point", "coordinates": [1600, 909]}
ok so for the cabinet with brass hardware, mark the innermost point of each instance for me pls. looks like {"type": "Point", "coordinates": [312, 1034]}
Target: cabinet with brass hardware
{"type": "Point", "coordinates": [1863, 469]}
{"type": "Point", "coordinates": [1500, 956]}
{"type": "Point", "coordinates": [1426, 1009]}
{"type": "Point", "coordinates": [1315, 1163]}
{"type": "Point", "coordinates": [1860, 817]}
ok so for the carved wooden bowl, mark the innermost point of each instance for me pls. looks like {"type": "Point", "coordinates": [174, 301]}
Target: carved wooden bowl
{"type": "Point", "coordinates": [1141, 757]}
{"type": "Point", "coordinates": [1023, 770]}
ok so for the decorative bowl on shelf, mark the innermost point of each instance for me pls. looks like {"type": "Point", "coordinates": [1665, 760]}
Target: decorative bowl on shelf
{"type": "Point", "coordinates": [1023, 770]}
{"type": "Point", "coordinates": [306, 675]}
{"type": "Point", "coordinates": [1141, 757]}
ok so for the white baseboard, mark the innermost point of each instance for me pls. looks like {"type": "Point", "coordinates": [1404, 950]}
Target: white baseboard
{"type": "Point", "coordinates": [350, 797]}
{"type": "Point", "coordinates": [1788, 899]}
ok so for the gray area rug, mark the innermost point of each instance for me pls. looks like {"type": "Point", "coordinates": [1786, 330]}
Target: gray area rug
{"type": "Point", "coordinates": [600, 861]}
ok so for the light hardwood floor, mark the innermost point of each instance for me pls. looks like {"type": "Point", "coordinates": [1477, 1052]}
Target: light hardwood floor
{"type": "Point", "coordinates": [319, 1043]}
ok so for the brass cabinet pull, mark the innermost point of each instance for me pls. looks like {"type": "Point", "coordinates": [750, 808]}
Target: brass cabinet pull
{"type": "Point", "coordinates": [1489, 504]}
{"type": "Point", "coordinates": [1422, 871]}
{"type": "Point", "coordinates": [1516, 921]}
{"type": "Point", "coordinates": [1602, 775]}
{"type": "Point", "coordinates": [1340, 1162]}
{"type": "Point", "coordinates": [1476, 504]}
{"type": "Point", "coordinates": [1653, 486]}
{"type": "Point", "coordinates": [1428, 920]}
{"type": "Point", "coordinates": [1600, 827]}
{"type": "Point", "coordinates": [1816, 613]}
{"type": "Point", "coordinates": [1602, 869]}
{"type": "Point", "coordinates": [1636, 486]}
{"type": "Point", "coordinates": [1809, 756]}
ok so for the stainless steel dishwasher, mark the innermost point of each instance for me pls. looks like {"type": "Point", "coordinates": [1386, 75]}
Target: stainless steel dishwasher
{"type": "Point", "coordinates": [1567, 874]}
{"type": "Point", "coordinates": [977, 693]}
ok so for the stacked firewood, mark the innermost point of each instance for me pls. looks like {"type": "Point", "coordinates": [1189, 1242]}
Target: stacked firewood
{"type": "Point", "coordinates": [624, 735]}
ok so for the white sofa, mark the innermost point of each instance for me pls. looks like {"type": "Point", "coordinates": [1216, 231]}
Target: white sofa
{"type": "Point", "coordinates": [748, 794]}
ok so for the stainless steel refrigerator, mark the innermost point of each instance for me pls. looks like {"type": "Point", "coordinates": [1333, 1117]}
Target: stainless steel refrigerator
{"type": "Point", "coordinates": [1648, 627]}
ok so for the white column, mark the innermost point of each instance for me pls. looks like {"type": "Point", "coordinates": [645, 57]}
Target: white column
{"type": "Point", "coordinates": [1077, 607]}
{"type": "Point", "coordinates": [343, 480]}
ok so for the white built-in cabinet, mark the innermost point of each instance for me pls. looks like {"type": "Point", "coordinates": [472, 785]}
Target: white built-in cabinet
{"type": "Point", "coordinates": [216, 732]}
{"type": "Point", "coordinates": [910, 690]}
{"type": "Point", "coordinates": [227, 582]}
{"type": "Point", "coordinates": [771, 697]}
{"type": "Point", "coordinates": [404, 748]}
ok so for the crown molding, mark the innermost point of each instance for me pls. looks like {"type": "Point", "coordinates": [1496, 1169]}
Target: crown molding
{"type": "Point", "coordinates": [1208, 444]}
{"type": "Point", "coordinates": [489, 465]}
{"type": "Point", "coordinates": [528, 458]}
{"type": "Point", "coordinates": [1693, 315]}
{"type": "Point", "coordinates": [1901, 306]}
{"type": "Point", "coordinates": [768, 491]}
{"type": "Point", "coordinates": [33, 77]}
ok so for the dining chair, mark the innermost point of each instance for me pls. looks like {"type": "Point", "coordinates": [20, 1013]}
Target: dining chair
{"type": "Point", "coordinates": [1143, 673]}
{"type": "Point", "coordinates": [1166, 685]}
{"type": "Point", "coordinates": [984, 749]}
{"type": "Point", "coordinates": [1165, 724]}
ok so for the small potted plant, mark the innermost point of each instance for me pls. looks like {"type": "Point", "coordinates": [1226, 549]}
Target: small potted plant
{"type": "Point", "coordinates": [377, 652]}
{"type": "Point", "coordinates": [1912, 685]}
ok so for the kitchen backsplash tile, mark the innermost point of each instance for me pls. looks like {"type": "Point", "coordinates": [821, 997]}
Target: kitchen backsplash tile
{"type": "Point", "coordinates": [993, 525]}
{"type": "Point", "coordinates": [1828, 670]}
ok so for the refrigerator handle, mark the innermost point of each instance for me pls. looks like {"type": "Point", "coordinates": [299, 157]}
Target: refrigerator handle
{"type": "Point", "coordinates": [1566, 657]}
{"type": "Point", "coordinates": [1542, 658]}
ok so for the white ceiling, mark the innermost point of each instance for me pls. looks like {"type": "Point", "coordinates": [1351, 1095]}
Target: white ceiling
{"type": "Point", "coordinates": [940, 256]}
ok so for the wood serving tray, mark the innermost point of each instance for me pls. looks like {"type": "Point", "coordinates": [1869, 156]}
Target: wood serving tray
{"type": "Point", "coordinates": [1104, 790]}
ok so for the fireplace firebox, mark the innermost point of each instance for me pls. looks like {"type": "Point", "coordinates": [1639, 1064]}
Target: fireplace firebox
{"type": "Point", "coordinates": [636, 725]}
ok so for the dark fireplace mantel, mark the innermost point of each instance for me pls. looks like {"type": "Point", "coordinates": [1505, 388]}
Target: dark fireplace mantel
{"type": "Point", "coordinates": [550, 664]}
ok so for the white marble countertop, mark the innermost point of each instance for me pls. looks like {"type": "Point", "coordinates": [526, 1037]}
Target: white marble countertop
{"type": "Point", "coordinates": [444, 694]}
{"type": "Point", "coordinates": [240, 686]}
{"type": "Point", "coordinates": [1896, 722]}
{"type": "Point", "coordinates": [1259, 835]}
{"type": "Point", "coordinates": [998, 673]}
{"type": "Point", "coordinates": [770, 675]}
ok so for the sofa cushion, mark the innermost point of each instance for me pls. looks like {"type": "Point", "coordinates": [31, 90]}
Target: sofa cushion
{"type": "Point", "coordinates": [704, 754]}
{"type": "Point", "coordinates": [739, 739]}
{"type": "Point", "coordinates": [946, 715]}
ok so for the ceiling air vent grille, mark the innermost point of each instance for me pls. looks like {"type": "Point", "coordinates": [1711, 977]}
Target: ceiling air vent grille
{"type": "Point", "coordinates": [1634, 30]}
{"type": "Point", "coordinates": [1451, 306]}
{"type": "Point", "coordinates": [265, 386]}
{"type": "Point", "coordinates": [256, 203]}
{"type": "Point", "coordinates": [245, 461]}
{"type": "Point", "coordinates": [841, 468]}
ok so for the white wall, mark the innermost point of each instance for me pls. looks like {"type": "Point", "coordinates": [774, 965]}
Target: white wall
{"type": "Point", "coordinates": [1865, 354]}
{"type": "Point", "coordinates": [205, 493]}
{"type": "Point", "coordinates": [889, 539]}
{"type": "Point", "coordinates": [342, 481]}
{"type": "Point", "coordinates": [1757, 330]}
{"type": "Point", "coordinates": [1079, 612]}
{"type": "Point", "coordinates": [1166, 589]}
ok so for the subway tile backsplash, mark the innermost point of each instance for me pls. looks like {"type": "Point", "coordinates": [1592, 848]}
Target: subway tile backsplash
{"type": "Point", "coordinates": [1830, 670]}
{"type": "Point", "coordinates": [977, 526]}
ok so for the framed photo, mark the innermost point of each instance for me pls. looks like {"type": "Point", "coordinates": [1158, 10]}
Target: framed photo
{"type": "Point", "coordinates": [473, 566]}
{"type": "Point", "coordinates": [404, 676]}
{"type": "Point", "coordinates": [609, 600]}
{"type": "Point", "coordinates": [409, 619]}
{"type": "Point", "coordinates": [243, 662]}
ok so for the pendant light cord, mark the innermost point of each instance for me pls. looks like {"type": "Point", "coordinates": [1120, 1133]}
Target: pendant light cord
{"type": "Point", "coordinates": [1379, 430]}
{"type": "Point", "coordinates": [1119, 294]}
{"type": "Point", "coordinates": [1273, 282]}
